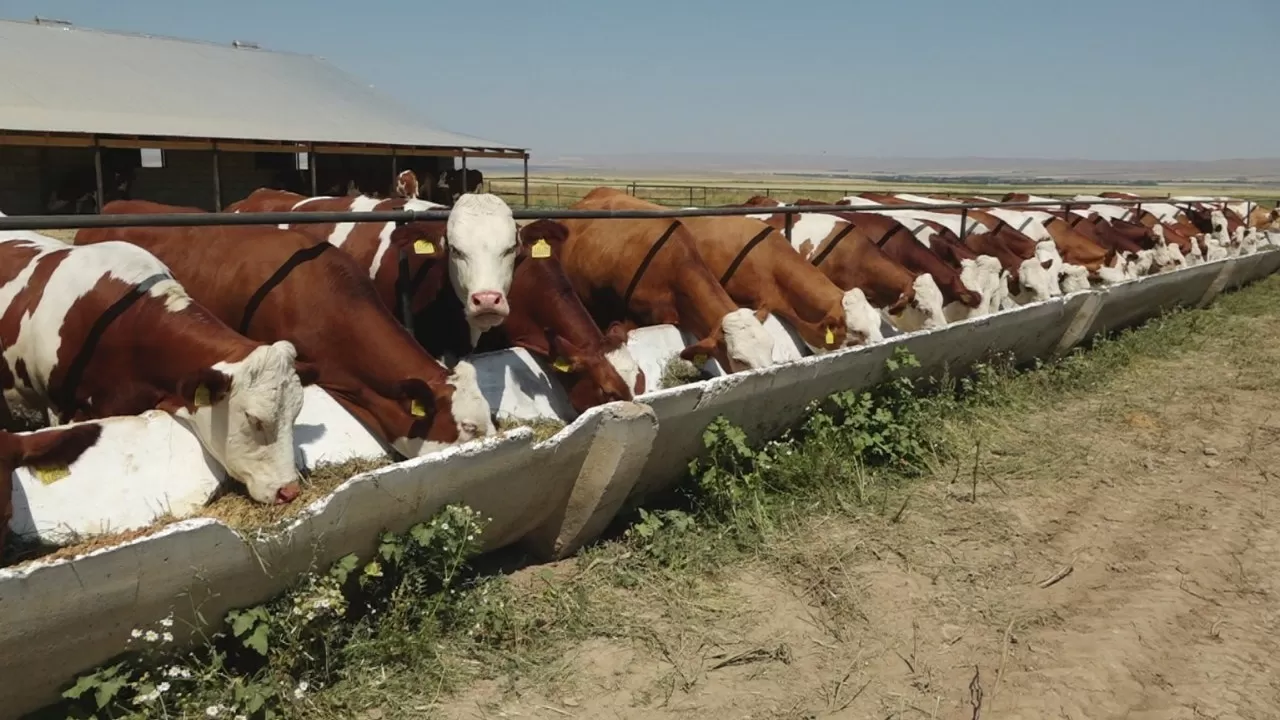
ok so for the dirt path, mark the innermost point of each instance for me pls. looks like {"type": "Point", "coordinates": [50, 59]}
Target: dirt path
{"type": "Point", "coordinates": [1121, 560]}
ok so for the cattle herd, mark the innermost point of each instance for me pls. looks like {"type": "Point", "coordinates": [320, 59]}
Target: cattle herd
{"type": "Point", "coordinates": [222, 327]}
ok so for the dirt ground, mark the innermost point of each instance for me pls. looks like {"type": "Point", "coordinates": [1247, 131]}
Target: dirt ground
{"type": "Point", "coordinates": [1121, 560]}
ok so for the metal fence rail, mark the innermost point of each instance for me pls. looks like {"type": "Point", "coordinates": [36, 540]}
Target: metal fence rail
{"type": "Point", "coordinates": [68, 222]}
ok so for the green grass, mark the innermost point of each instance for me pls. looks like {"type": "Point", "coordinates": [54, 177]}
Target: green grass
{"type": "Point", "coordinates": [439, 627]}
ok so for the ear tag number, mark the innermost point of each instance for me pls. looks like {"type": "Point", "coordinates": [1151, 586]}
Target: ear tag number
{"type": "Point", "coordinates": [201, 398]}
{"type": "Point", "coordinates": [541, 249]}
{"type": "Point", "coordinates": [830, 337]}
{"type": "Point", "coordinates": [416, 409]}
{"type": "Point", "coordinates": [423, 246]}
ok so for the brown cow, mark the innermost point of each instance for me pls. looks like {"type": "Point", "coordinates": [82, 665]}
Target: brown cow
{"type": "Point", "coordinates": [326, 306]}
{"type": "Point", "coordinates": [480, 234]}
{"type": "Point", "coordinates": [56, 447]}
{"type": "Point", "coordinates": [648, 272]}
{"type": "Point", "coordinates": [760, 270]}
{"type": "Point", "coordinates": [550, 321]}
{"type": "Point", "coordinates": [603, 369]}
{"type": "Point", "coordinates": [852, 260]}
{"type": "Point", "coordinates": [101, 331]}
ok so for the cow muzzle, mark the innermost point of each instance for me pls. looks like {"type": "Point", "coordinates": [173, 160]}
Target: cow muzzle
{"type": "Point", "coordinates": [488, 308]}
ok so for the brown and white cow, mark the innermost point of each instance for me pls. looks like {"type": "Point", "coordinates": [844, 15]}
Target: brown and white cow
{"type": "Point", "coordinates": [601, 364]}
{"type": "Point", "coordinates": [760, 270]}
{"type": "Point", "coordinates": [641, 272]}
{"type": "Point", "coordinates": [57, 446]}
{"type": "Point", "coordinates": [274, 284]}
{"type": "Point", "coordinates": [549, 320]}
{"type": "Point", "coordinates": [480, 235]}
{"type": "Point", "coordinates": [93, 332]}
{"type": "Point", "coordinates": [850, 259]}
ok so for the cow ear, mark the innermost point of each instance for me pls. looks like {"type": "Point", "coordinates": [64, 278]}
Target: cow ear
{"type": "Point", "coordinates": [566, 357]}
{"type": "Point", "coordinates": [550, 231]}
{"type": "Point", "coordinates": [904, 301]}
{"type": "Point", "coordinates": [425, 240]}
{"type": "Point", "coordinates": [699, 352]}
{"type": "Point", "coordinates": [204, 388]}
{"type": "Point", "coordinates": [417, 399]}
{"type": "Point", "coordinates": [308, 373]}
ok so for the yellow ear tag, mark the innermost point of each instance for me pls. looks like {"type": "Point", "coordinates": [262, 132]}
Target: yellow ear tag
{"type": "Point", "coordinates": [541, 249]}
{"type": "Point", "coordinates": [51, 474]}
{"type": "Point", "coordinates": [562, 365]}
{"type": "Point", "coordinates": [423, 246]}
{"type": "Point", "coordinates": [699, 360]}
{"type": "Point", "coordinates": [202, 396]}
{"type": "Point", "coordinates": [830, 337]}
{"type": "Point", "coordinates": [416, 409]}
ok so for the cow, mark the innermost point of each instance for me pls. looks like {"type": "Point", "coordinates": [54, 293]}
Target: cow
{"type": "Point", "coordinates": [760, 270]}
{"type": "Point", "coordinates": [274, 284]}
{"type": "Point", "coordinates": [639, 272]}
{"type": "Point", "coordinates": [50, 447]}
{"type": "Point", "coordinates": [480, 236]}
{"type": "Point", "coordinates": [455, 182]}
{"type": "Point", "coordinates": [550, 321]}
{"type": "Point", "coordinates": [533, 304]}
{"type": "Point", "coordinates": [94, 332]}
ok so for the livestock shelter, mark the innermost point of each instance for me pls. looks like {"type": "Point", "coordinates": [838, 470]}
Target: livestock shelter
{"type": "Point", "coordinates": [88, 114]}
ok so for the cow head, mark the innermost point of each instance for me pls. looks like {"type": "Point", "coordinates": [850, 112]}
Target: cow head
{"type": "Point", "coordinates": [591, 379]}
{"type": "Point", "coordinates": [482, 253]}
{"type": "Point", "coordinates": [920, 307]}
{"type": "Point", "coordinates": [407, 185]}
{"type": "Point", "coordinates": [243, 412]}
{"type": "Point", "coordinates": [1036, 282]}
{"type": "Point", "coordinates": [862, 321]}
{"type": "Point", "coordinates": [57, 446]}
{"type": "Point", "coordinates": [454, 411]}
{"type": "Point", "coordinates": [740, 343]}
{"type": "Point", "coordinates": [1073, 278]}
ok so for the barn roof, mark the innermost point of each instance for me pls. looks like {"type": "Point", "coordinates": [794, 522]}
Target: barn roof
{"type": "Point", "coordinates": [64, 79]}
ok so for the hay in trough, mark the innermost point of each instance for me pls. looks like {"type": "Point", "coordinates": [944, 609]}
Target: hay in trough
{"type": "Point", "coordinates": [542, 428]}
{"type": "Point", "coordinates": [240, 512]}
{"type": "Point", "coordinates": [677, 372]}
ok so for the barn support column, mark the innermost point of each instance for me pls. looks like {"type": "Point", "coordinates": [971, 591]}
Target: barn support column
{"type": "Point", "coordinates": [311, 165]}
{"type": "Point", "coordinates": [217, 179]}
{"type": "Point", "coordinates": [463, 187]}
{"type": "Point", "coordinates": [526, 180]}
{"type": "Point", "coordinates": [395, 171]}
{"type": "Point", "coordinates": [97, 171]}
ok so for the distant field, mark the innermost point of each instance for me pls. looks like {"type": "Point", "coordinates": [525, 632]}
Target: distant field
{"type": "Point", "coordinates": [685, 190]}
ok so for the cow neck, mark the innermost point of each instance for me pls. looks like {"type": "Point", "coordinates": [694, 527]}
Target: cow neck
{"type": "Point", "coordinates": [542, 295]}
{"type": "Point", "coordinates": [742, 254]}
{"type": "Point", "coordinates": [65, 396]}
{"type": "Point", "coordinates": [831, 245]}
{"type": "Point", "coordinates": [299, 257]}
{"type": "Point", "coordinates": [647, 261]}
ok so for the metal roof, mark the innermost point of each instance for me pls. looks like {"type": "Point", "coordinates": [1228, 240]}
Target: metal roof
{"type": "Point", "coordinates": [61, 78]}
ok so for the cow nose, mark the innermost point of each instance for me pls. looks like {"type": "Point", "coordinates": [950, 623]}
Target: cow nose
{"type": "Point", "coordinates": [288, 493]}
{"type": "Point", "coordinates": [488, 301]}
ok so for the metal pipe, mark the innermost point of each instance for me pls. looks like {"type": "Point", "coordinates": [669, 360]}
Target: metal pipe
{"type": "Point", "coordinates": [217, 180]}
{"type": "Point", "coordinates": [49, 222]}
{"type": "Point", "coordinates": [97, 171]}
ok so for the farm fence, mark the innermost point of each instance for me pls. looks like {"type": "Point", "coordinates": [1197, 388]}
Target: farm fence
{"type": "Point", "coordinates": [70, 615]}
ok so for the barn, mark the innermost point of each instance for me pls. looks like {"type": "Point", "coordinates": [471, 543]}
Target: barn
{"type": "Point", "coordinates": [202, 124]}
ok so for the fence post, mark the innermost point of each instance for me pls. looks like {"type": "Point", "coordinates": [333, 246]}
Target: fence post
{"type": "Point", "coordinates": [97, 171]}
{"type": "Point", "coordinates": [311, 167]}
{"type": "Point", "coordinates": [217, 180]}
{"type": "Point", "coordinates": [964, 222]}
{"type": "Point", "coordinates": [557, 194]}
{"type": "Point", "coordinates": [526, 180]}
{"type": "Point", "coordinates": [691, 194]}
{"type": "Point", "coordinates": [790, 219]}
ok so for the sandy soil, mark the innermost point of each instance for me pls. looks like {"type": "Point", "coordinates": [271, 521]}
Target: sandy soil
{"type": "Point", "coordinates": [1121, 560]}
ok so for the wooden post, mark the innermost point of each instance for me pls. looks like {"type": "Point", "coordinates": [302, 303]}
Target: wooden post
{"type": "Point", "coordinates": [526, 179]}
{"type": "Point", "coordinates": [465, 184]}
{"type": "Point", "coordinates": [97, 170]}
{"type": "Point", "coordinates": [395, 169]}
{"type": "Point", "coordinates": [217, 180]}
{"type": "Point", "coordinates": [311, 165]}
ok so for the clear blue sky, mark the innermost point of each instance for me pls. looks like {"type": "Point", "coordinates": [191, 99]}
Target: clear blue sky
{"type": "Point", "coordinates": [1096, 79]}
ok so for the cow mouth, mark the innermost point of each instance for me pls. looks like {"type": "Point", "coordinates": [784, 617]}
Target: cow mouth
{"type": "Point", "coordinates": [488, 318]}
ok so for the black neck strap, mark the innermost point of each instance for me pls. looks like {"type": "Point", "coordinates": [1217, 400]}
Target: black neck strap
{"type": "Point", "coordinates": [742, 254]}
{"type": "Point", "coordinates": [644, 264]}
{"type": "Point", "coordinates": [306, 254]}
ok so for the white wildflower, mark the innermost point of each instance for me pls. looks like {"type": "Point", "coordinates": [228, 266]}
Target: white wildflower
{"type": "Point", "coordinates": [213, 711]}
{"type": "Point", "coordinates": [168, 637]}
{"type": "Point", "coordinates": [151, 636]}
{"type": "Point", "coordinates": [135, 634]}
{"type": "Point", "coordinates": [163, 687]}
{"type": "Point", "coordinates": [301, 690]}
{"type": "Point", "coordinates": [167, 622]}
